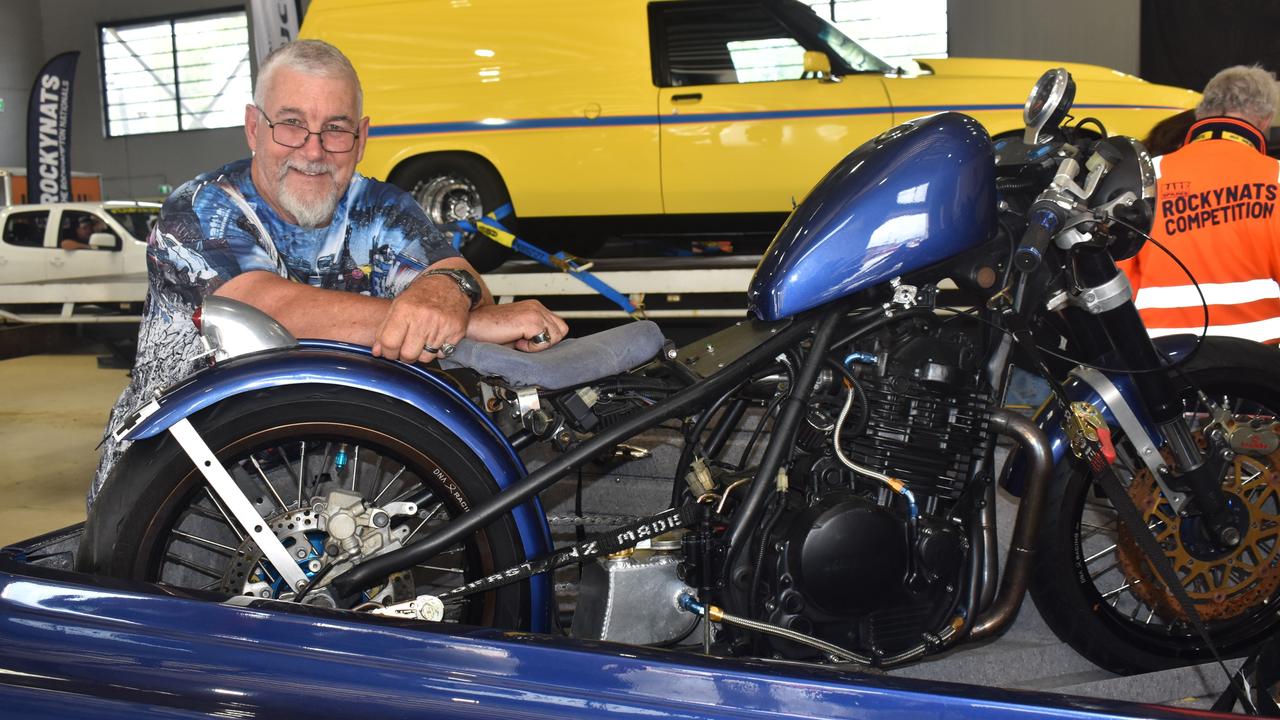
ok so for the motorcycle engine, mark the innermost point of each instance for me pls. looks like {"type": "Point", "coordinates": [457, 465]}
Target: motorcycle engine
{"type": "Point", "coordinates": [842, 559]}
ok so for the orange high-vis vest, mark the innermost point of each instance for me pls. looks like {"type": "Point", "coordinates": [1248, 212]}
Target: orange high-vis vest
{"type": "Point", "coordinates": [1216, 209]}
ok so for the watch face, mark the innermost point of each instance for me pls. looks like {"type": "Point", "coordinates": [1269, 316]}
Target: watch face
{"type": "Point", "coordinates": [466, 283]}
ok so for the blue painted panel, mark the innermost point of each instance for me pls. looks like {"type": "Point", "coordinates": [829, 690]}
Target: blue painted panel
{"type": "Point", "coordinates": [75, 649]}
{"type": "Point", "coordinates": [912, 197]}
{"type": "Point", "coordinates": [316, 362]}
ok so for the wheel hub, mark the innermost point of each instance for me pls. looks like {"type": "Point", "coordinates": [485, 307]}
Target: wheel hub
{"type": "Point", "coordinates": [1223, 583]}
{"type": "Point", "coordinates": [337, 529]}
{"type": "Point", "coordinates": [247, 572]}
{"type": "Point", "coordinates": [449, 199]}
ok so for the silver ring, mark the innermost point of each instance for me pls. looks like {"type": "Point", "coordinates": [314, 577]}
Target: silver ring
{"type": "Point", "coordinates": [447, 349]}
{"type": "Point", "coordinates": [430, 349]}
{"type": "Point", "coordinates": [541, 338]}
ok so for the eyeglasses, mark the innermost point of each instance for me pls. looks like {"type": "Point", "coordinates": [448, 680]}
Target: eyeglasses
{"type": "Point", "coordinates": [295, 136]}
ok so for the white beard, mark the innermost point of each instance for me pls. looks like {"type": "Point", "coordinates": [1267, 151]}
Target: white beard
{"type": "Point", "coordinates": [312, 213]}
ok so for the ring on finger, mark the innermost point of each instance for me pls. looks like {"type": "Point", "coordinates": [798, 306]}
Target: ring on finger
{"type": "Point", "coordinates": [428, 348]}
{"type": "Point", "coordinates": [541, 338]}
{"type": "Point", "coordinates": [446, 349]}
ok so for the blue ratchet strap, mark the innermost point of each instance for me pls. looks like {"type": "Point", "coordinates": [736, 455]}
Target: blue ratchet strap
{"type": "Point", "coordinates": [491, 227]}
{"type": "Point", "coordinates": [459, 230]}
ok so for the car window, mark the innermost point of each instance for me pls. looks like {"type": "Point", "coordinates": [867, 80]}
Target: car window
{"type": "Point", "coordinates": [26, 229]}
{"type": "Point", "coordinates": [78, 226]}
{"type": "Point", "coordinates": [857, 58]}
{"type": "Point", "coordinates": [726, 44]}
{"type": "Point", "coordinates": [138, 221]}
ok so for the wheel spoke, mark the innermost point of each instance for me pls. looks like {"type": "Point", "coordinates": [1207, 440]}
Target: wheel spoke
{"type": "Point", "coordinates": [390, 482]}
{"type": "Point", "coordinates": [302, 470]}
{"type": "Point", "coordinates": [212, 545]}
{"type": "Point", "coordinates": [234, 528]}
{"type": "Point", "coordinates": [1099, 554]}
{"type": "Point", "coordinates": [425, 520]}
{"type": "Point", "coordinates": [288, 469]}
{"type": "Point", "coordinates": [325, 462]}
{"type": "Point", "coordinates": [267, 482]}
{"type": "Point", "coordinates": [193, 565]}
{"type": "Point", "coordinates": [1120, 589]}
{"type": "Point", "coordinates": [441, 569]}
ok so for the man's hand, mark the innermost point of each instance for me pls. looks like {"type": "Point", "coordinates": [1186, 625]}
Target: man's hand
{"type": "Point", "coordinates": [430, 313]}
{"type": "Point", "coordinates": [519, 323]}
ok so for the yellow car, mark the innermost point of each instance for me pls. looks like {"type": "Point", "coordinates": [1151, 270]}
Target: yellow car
{"type": "Point", "coordinates": [601, 116]}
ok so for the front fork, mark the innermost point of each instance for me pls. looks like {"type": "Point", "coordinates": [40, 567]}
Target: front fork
{"type": "Point", "coordinates": [1100, 307]}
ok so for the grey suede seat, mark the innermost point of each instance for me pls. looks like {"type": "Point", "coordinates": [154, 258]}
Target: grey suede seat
{"type": "Point", "coordinates": [573, 361]}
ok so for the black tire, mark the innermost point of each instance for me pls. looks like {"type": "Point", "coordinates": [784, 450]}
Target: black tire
{"type": "Point", "coordinates": [1084, 582]}
{"type": "Point", "coordinates": [456, 186]}
{"type": "Point", "coordinates": [156, 521]}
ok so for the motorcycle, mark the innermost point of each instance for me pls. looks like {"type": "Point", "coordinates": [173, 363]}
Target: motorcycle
{"type": "Point", "coordinates": [834, 495]}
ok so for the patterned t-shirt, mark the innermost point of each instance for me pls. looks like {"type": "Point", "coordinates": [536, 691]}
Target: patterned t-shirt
{"type": "Point", "coordinates": [217, 226]}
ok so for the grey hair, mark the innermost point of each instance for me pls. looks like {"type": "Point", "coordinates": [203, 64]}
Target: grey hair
{"type": "Point", "coordinates": [312, 57]}
{"type": "Point", "coordinates": [1243, 91]}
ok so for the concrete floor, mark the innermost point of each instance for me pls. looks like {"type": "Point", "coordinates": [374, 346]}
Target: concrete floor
{"type": "Point", "coordinates": [53, 409]}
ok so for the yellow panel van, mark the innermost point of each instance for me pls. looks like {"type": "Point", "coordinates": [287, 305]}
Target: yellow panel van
{"type": "Point", "coordinates": [597, 116]}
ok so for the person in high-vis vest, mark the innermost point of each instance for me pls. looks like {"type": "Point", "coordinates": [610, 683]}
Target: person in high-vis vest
{"type": "Point", "coordinates": [1216, 206]}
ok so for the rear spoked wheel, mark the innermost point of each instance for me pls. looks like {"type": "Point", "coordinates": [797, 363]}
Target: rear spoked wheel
{"type": "Point", "coordinates": [337, 475]}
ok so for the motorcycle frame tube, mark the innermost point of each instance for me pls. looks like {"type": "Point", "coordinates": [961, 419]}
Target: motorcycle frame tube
{"type": "Point", "coordinates": [681, 403]}
{"type": "Point", "coordinates": [781, 440]}
{"type": "Point", "coordinates": [334, 363]}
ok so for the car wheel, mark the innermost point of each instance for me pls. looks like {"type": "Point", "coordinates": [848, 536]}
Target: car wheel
{"type": "Point", "coordinates": [452, 187]}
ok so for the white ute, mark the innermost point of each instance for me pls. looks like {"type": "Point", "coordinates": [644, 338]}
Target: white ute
{"type": "Point", "coordinates": [43, 243]}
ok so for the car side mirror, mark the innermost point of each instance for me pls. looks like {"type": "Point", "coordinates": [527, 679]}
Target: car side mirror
{"type": "Point", "coordinates": [817, 64]}
{"type": "Point", "coordinates": [102, 241]}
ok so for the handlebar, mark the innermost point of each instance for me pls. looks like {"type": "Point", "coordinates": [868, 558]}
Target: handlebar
{"type": "Point", "coordinates": [1042, 225]}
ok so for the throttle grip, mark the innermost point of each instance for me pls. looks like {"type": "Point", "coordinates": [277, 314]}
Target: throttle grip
{"type": "Point", "coordinates": [1041, 227]}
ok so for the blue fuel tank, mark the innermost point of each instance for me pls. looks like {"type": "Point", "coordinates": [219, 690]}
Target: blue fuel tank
{"type": "Point", "coordinates": [916, 195]}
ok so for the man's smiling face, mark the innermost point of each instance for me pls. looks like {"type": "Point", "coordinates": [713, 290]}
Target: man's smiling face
{"type": "Point", "coordinates": [304, 184]}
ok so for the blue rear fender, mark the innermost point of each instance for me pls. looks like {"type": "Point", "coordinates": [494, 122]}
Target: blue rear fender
{"type": "Point", "coordinates": [353, 366]}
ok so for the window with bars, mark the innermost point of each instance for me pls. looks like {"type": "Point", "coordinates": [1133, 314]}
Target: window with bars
{"type": "Point", "coordinates": [895, 30]}
{"type": "Point", "coordinates": [188, 72]}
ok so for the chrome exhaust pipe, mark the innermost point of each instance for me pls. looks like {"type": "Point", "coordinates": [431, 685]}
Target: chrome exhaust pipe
{"type": "Point", "coordinates": [1022, 548]}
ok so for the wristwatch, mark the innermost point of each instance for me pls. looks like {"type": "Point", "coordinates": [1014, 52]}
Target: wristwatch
{"type": "Point", "coordinates": [467, 283]}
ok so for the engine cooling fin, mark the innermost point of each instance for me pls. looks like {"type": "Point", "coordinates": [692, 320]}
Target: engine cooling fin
{"type": "Point", "coordinates": [930, 440]}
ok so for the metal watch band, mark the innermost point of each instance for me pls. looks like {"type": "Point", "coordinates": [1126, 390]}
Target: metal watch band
{"type": "Point", "coordinates": [467, 283]}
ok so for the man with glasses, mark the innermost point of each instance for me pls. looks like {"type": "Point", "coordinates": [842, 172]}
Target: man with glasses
{"type": "Point", "coordinates": [297, 233]}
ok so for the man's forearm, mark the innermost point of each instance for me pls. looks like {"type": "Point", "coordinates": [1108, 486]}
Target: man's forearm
{"type": "Point", "coordinates": [310, 312]}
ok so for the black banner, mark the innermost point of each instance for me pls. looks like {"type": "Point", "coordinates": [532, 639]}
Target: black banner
{"type": "Point", "coordinates": [49, 131]}
{"type": "Point", "coordinates": [1185, 43]}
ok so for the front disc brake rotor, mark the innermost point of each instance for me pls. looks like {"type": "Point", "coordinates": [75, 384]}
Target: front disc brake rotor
{"type": "Point", "coordinates": [1223, 584]}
